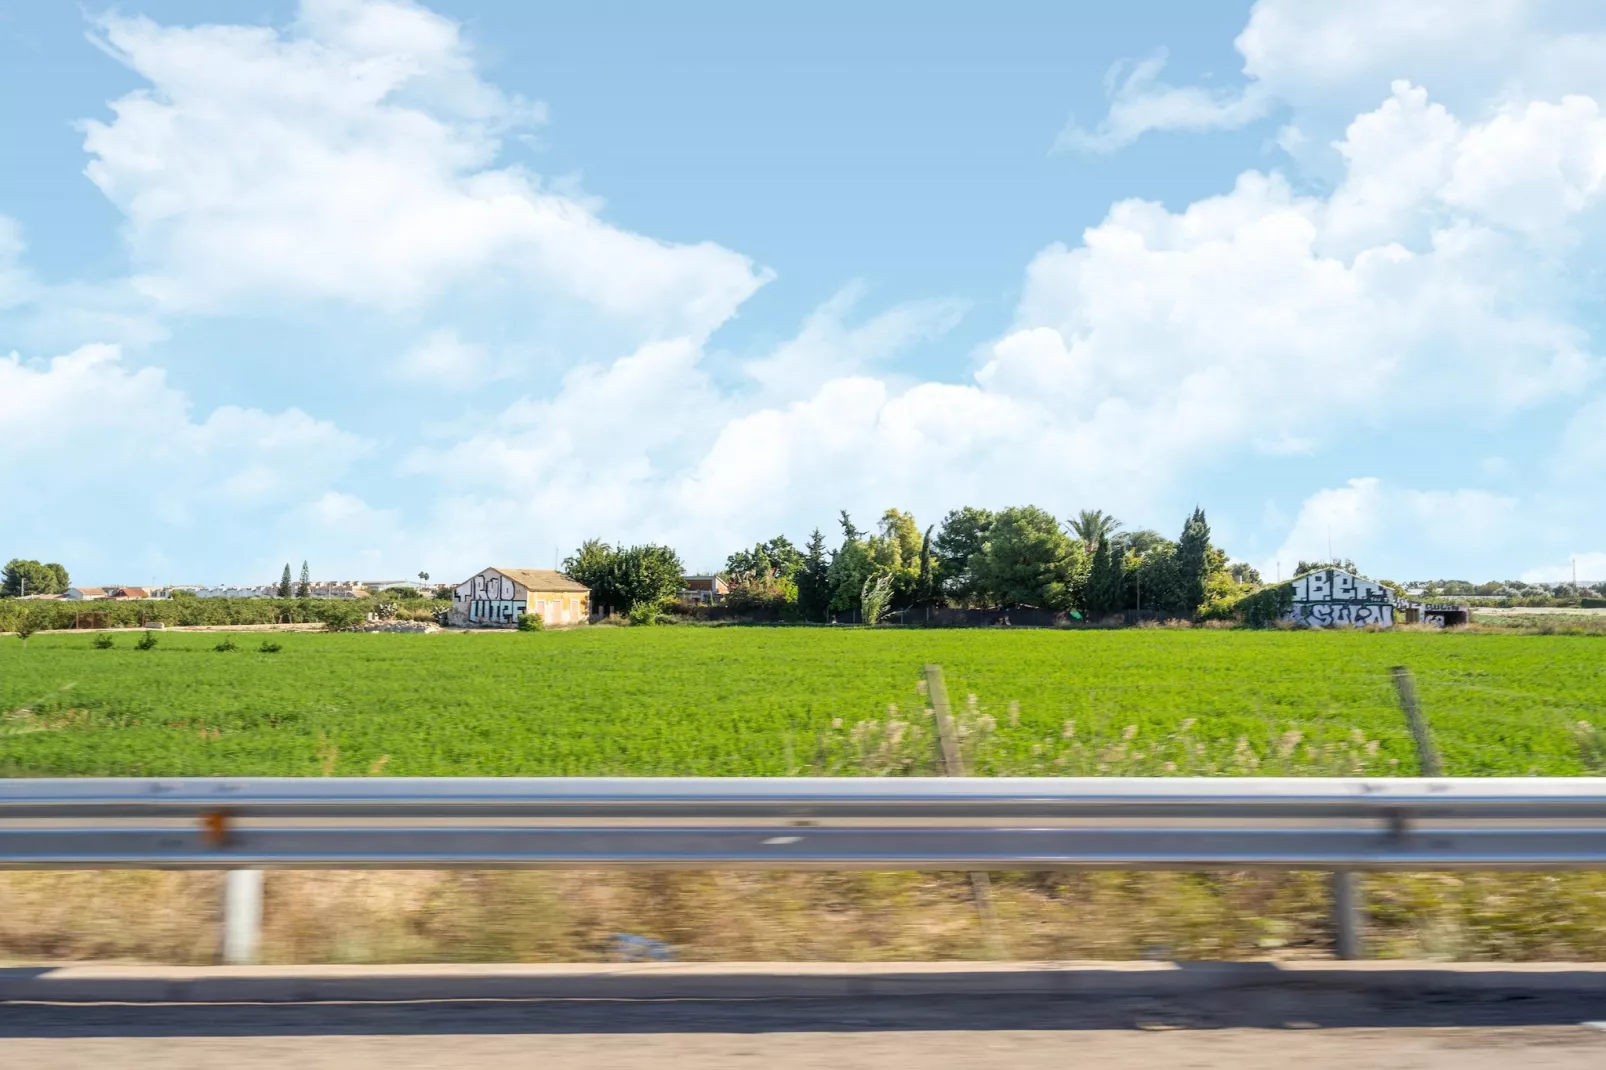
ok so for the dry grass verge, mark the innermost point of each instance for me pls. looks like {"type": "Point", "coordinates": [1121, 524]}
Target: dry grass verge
{"type": "Point", "coordinates": [377, 917]}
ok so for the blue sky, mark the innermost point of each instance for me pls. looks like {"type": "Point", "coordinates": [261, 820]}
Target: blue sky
{"type": "Point", "coordinates": [393, 287]}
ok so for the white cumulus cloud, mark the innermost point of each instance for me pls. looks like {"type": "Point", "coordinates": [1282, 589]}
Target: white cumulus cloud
{"type": "Point", "coordinates": [1327, 61]}
{"type": "Point", "coordinates": [354, 157]}
{"type": "Point", "coordinates": [115, 449]}
{"type": "Point", "coordinates": [1383, 528]}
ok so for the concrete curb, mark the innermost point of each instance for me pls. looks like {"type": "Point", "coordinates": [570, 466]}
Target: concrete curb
{"type": "Point", "coordinates": [760, 980]}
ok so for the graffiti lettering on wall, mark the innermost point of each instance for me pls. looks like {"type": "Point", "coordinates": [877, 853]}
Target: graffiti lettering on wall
{"type": "Point", "coordinates": [495, 611]}
{"type": "Point", "coordinates": [1331, 614]}
{"type": "Point", "coordinates": [489, 598]}
{"type": "Point", "coordinates": [1334, 598]}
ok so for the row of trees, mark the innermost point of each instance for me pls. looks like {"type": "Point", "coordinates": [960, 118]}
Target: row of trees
{"type": "Point", "coordinates": [31, 577]}
{"type": "Point", "coordinates": [976, 558]}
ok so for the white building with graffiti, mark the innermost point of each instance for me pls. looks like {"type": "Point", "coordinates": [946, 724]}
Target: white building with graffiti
{"type": "Point", "coordinates": [498, 597]}
{"type": "Point", "coordinates": [1331, 597]}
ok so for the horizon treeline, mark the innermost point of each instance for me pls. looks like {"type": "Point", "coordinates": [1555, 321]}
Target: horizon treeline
{"type": "Point", "coordinates": [1017, 557]}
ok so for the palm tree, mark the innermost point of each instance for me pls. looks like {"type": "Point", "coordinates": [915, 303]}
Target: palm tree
{"type": "Point", "coordinates": [1091, 525]}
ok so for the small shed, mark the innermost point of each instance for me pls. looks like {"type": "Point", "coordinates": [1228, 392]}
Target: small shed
{"type": "Point", "coordinates": [498, 597]}
{"type": "Point", "coordinates": [1439, 615]}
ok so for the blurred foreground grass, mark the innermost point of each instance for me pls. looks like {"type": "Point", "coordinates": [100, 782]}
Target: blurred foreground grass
{"type": "Point", "coordinates": [434, 916]}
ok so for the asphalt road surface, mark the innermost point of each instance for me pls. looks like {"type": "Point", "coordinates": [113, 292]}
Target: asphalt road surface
{"type": "Point", "coordinates": [1279, 1029]}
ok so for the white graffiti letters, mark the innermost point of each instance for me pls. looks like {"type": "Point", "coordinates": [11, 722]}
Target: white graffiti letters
{"type": "Point", "coordinates": [495, 611]}
{"type": "Point", "coordinates": [1330, 597]}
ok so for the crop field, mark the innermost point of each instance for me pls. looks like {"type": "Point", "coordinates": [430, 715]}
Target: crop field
{"type": "Point", "coordinates": [774, 701]}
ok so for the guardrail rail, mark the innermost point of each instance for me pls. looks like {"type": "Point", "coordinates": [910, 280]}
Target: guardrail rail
{"type": "Point", "coordinates": [1343, 825]}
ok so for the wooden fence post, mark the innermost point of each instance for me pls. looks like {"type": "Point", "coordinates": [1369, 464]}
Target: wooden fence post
{"type": "Point", "coordinates": [953, 764]}
{"type": "Point", "coordinates": [1427, 756]}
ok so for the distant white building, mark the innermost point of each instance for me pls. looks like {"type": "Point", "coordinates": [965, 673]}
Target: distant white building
{"type": "Point", "coordinates": [319, 589]}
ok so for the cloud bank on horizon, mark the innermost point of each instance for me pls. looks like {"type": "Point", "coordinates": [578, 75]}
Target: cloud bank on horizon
{"type": "Point", "coordinates": [1417, 265]}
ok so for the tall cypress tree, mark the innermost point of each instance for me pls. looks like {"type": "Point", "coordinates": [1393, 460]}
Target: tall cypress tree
{"type": "Point", "coordinates": [304, 588]}
{"type": "Point", "coordinates": [926, 588]}
{"type": "Point", "coordinates": [1105, 592]}
{"type": "Point", "coordinates": [284, 582]}
{"type": "Point", "coordinates": [814, 580]}
{"type": "Point", "coordinates": [1193, 560]}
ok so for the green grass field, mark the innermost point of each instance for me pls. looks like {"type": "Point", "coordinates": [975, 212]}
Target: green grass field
{"type": "Point", "coordinates": [763, 701]}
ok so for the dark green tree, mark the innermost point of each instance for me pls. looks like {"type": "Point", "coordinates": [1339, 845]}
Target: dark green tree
{"type": "Point", "coordinates": [814, 580]}
{"type": "Point", "coordinates": [959, 539]}
{"type": "Point", "coordinates": [1105, 588]}
{"type": "Point", "coordinates": [1151, 573]}
{"type": "Point", "coordinates": [851, 566]}
{"type": "Point", "coordinates": [925, 586]}
{"type": "Point", "coordinates": [304, 588]}
{"type": "Point", "coordinates": [284, 582]}
{"type": "Point", "coordinates": [1028, 561]}
{"type": "Point", "coordinates": [621, 580]}
{"type": "Point", "coordinates": [31, 577]}
{"type": "Point", "coordinates": [765, 563]}
{"type": "Point", "coordinates": [849, 532]}
{"type": "Point", "coordinates": [646, 576]}
{"type": "Point", "coordinates": [1193, 561]}
{"type": "Point", "coordinates": [587, 564]}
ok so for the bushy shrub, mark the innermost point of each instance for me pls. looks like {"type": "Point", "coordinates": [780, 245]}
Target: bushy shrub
{"type": "Point", "coordinates": [772, 596]}
{"type": "Point", "coordinates": [1258, 609]}
{"type": "Point", "coordinates": [644, 613]}
{"type": "Point", "coordinates": [269, 647]}
{"type": "Point", "coordinates": [531, 622]}
{"type": "Point", "coordinates": [103, 642]}
{"type": "Point", "coordinates": [225, 646]}
{"type": "Point", "coordinates": [146, 642]}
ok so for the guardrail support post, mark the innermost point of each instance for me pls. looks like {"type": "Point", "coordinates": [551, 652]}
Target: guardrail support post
{"type": "Point", "coordinates": [1347, 915]}
{"type": "Point", "coordinates": [242, 916]}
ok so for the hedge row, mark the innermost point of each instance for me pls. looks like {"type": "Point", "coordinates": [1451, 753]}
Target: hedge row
{"type": "Point", "coordinates": [334, 613]}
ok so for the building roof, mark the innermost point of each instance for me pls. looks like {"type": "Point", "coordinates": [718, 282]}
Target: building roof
{"type": "Point", "coordinates": [88, 590]}
{"type": "Point", "coordinates": [541, 579]}
{"type": "Point", "coordinates": [704, 583]}
{"type": "Point", "coordinates": [132, 592]}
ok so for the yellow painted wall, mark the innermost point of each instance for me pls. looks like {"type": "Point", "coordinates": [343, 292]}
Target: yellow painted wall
{"type": "Point", "coordinates": [559, 607]}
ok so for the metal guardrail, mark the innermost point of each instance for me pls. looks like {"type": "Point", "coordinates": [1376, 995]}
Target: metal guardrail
{"type": "Point", "coordinates": [830, 823]}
